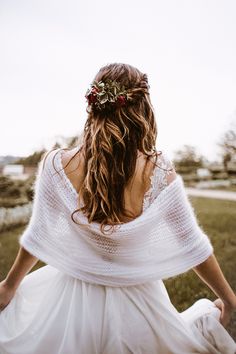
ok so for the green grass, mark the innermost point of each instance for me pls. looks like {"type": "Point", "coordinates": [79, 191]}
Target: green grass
{"type": "Point", "coordinates": [8, 250]}
{"type": "Point", "coordinates": [216, 217]}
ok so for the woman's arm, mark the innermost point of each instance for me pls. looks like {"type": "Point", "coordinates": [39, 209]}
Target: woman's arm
{"type": "Point", "coordinates": [23, 263]}
{"type": "Point", "coordinates": [211, 274]}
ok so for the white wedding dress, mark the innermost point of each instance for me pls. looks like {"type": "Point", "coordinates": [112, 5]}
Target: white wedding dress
{"type": "Point", "coordinates": [54, 313]}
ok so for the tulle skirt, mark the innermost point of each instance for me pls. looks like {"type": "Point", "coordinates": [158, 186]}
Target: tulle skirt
{"type": "Point", "coordinates": [54, 313]}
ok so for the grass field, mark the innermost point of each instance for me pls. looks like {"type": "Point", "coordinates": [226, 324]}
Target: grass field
{"type": "Point", "coordinates": [218, 220]}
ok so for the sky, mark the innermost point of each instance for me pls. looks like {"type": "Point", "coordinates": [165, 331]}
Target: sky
{"type": "Point", "coordinates": [52, 50]}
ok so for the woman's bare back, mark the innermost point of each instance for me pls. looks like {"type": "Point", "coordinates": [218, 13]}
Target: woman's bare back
{"type": "Point", "coordinates": [134, 191]}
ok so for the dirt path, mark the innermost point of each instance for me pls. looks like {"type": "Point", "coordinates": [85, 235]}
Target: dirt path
{"type": "Point", "coordinates": [209, 193]}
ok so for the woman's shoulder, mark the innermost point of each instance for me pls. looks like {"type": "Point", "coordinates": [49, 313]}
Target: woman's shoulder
{"type": "Point", "coordinates": [70, 156]}
{"type": "Point", "coordinates": [165, 167]}
{"type": "Point", "coordinates": [164, 171]}
{"type": "Point", "coordinates": [163, 174]}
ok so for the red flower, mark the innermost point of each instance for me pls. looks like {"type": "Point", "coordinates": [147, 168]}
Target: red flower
{"type": "Point", "coordinates": [121, 100]}
{"type": "Point", "coordinates": [92, 96]}
{"type": "Point", "coordinates": [94, 90]}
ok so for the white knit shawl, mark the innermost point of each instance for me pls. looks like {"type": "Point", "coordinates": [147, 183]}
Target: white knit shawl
{"type": "Point", "coordinates": [165, 240]}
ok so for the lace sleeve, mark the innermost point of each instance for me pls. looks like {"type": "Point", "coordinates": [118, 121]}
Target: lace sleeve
{"type": "Point", "coordinates": [164, 167]}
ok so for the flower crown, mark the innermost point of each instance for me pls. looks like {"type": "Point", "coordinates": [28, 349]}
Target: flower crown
{"type": "Point", "coordinates": [100, 93]}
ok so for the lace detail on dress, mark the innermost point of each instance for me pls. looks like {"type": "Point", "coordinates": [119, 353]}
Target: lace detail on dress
{"type": "Point", "coordinates": [164, 167]}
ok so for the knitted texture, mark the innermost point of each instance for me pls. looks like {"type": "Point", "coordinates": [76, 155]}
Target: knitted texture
{"type": "Point", "coordinates": [164, 241]}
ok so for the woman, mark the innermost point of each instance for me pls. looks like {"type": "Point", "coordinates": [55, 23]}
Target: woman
{"type": "Point", "coordinates": [111, 219]}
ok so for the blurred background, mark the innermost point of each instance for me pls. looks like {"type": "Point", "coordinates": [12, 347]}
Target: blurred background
{"type": "Point", "coordinates": [50, 53]}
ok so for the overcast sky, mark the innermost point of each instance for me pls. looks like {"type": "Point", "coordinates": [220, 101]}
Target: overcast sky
{"type": "Point", "coordinates": [51, 51]}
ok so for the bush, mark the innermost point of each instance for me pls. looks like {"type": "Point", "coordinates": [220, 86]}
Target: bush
{"type": "Point", "coordinates": [15, 192]}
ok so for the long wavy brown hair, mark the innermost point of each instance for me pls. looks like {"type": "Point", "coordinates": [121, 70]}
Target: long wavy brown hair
{"type": "Point", "coordinates": [111, 140]}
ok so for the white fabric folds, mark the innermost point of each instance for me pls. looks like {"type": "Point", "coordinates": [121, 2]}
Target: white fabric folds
{"type": "Point", "coordinates": [164, 241]}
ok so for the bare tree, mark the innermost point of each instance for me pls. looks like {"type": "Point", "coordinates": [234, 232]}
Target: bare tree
{"type": "Point", "coordinates": [188, 159]}
{"type": "Point", "coordinates": [69, 142]}
{"type": "Point", "coordinates": [228, 146]}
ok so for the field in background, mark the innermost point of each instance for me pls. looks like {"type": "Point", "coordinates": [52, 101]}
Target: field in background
{"type": "Point", "coordinates": [216, 217]}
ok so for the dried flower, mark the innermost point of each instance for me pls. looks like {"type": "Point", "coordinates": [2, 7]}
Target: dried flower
{"type": "Point", "coordinates": [102, 93]}
{"type": "Point", "coordinates": [122, 100]}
